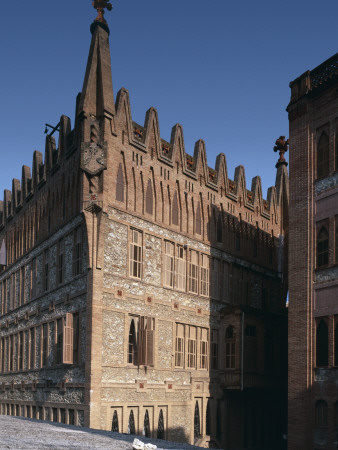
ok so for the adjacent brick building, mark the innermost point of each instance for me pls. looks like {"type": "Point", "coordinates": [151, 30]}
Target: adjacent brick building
{"type": "Point", "coordinates": [313, 259]}
{"type": "Point", "coordinates": [141, 290]}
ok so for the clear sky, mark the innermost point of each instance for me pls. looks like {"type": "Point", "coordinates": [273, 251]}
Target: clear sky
{"type": "Point", "coordinates": [220, 68]}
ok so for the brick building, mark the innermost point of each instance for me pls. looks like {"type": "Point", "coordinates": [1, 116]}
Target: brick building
{"type": "Point", "coordinates": [141, 290]}
{"type": "Point", "coordinates": [313, 259]}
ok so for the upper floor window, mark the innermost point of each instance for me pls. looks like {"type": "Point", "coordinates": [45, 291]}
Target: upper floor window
{"type": "Point", "coordinates": [214, 349]}
{"type": "Point", "coordinates": [230, 348]}
{"type": "Point", "coordinates": [61, 261]}
{"type": "Point", "coordinates": [132, 344]}
{"type": "Point", "coordinates": [322, 343]}
{"type": "Point", "coordinates": [323, 156]}
{"type": "Point", "coordinates": [322, 247]}
{"type": "Point", "coordinates": [192, 338]}
{"type": "Point", "coordinates": [193, 272]}
{"type": "Point", "coordinates": [180, 268]}
{"type": "Point", "coordinates": [77, 252]}
{"type": "Point", "coordinates": [203, 348]}
{"type": "Point", "coordinates": [204, 274]}
{"type": "Point", "coordinates": [169, 264]}
{"type": "Point", "coordinates": [135, 254]}
{"type": "Point", "coordinates": [46, 270]}
{"type": "Point", "coordinates": [179, 345]}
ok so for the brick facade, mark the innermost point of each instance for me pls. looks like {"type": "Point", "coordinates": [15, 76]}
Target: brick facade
{"type": "Point", "coordinates": [313, 257]}
{"type": "Point", "coordinates": [172, 287]}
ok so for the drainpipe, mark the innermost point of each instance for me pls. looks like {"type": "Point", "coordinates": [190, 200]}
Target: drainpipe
{"type": "Point", "coordinates": [242, 354]}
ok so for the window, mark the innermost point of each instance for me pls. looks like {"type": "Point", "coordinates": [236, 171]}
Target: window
{"type": "Point", "coordinates": [193, 272]}
{"type": "Point", "coordinates": [322, 247]}
{"type": "Point", "coordinates": [160, 427]}
{"type": "Point", "coordinates": [180, 269]}
{"type": "Point", "coordinates": [214, 288]}
{"type": "Point", "coordinates": [230, 348]}
{"type": "Point", "coordinates": [169, 264]}
{"type": "Point", "coordinates": [149, 198]}
{"type": "Point", "coordinates": [250, 347]}
{"type": "Point", "coordinates": [179, 345]}
{"type": "Point", "coordinates": [59, 340]}
{"type": "Point", "coordinates": [135, 254]}
{"type": "Point", "coordinates": [146, 425]}
{"type": "Point", "coordinates": [64, 340]}
{"type": "Point", "coordinates": [321, 414]}
{"type": "Point", "coordinates": [131, 423]}
{"type": "Point", "coordinates": [44, 354]}
{"type": "Point", "coordinates": [32, 348]}
{"type": "Point", "coordinates": [214, 349]}
{"type": "Point", "coordinates": [46, 270]}
{"type": "Point", "coordinates": [204, 348]}
{"type": "Point", "coordinates": [204, 275]}
{"type": "Point", "coordinates": [120, 185]}
{"type": "Point", "coordinates": [146, 341]}
{"type": "Point", "coordinates": [197, 423]}
{"type": "Point", "coordinates": [132, 344]}
{"type": "Point", "coordinates": [322, 343]}
{"type": "Point", "coordinates": [20, 351]}
{"type": "Point", "coordinates": [323, 156]}
{"type": "Point", "coordinates": [61, 261]}
{"type": "Point", "coordinates": [77, 252]}
{"type": "Point", "coordinates": [33, 281]}
{"type": "Point", "coordinates": [192, 336]}
{"type": "Point", "coordinates": [115, 422]}
{"type": "Point", "coordinates": [23, 280]}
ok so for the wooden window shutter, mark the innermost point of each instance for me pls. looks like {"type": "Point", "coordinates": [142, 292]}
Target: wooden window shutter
{"type": "Point", "coordinates": [149, 342]}
{"type": "Point", "coordinates": [141, 342]}
{"type": "Point", "coordinates": [68, 335]}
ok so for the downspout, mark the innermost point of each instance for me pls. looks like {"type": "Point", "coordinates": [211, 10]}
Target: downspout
{"type": "Point", "coordinates": [242, 354]}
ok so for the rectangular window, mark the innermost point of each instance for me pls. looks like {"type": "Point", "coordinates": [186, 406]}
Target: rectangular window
{"type": "Point", "coordinates": [22, 285]}
{"type": "Point", "coordinates": [214, 349]}
{"type": "Point", "coordinates": [135, 254]}
{"type": "Point", "coordinates": [180, 268]}
{"type": "Point", "coordinates": [204, 275]}
{"type": "Point", "coordinates": [77, 252]}
{"type": "Point", "coordinates": [44, 353]}
{"type": "Point", "coordinates": [146, 341]}
{"type": "Point", "coordinates": [33, 278]}
{"type": "Point", "coordinates": [169, 264]}
{"type": "Point", "coordinates": [68, 337]}
{"type": "Point", "coordinates": [32, 348]}
{"type": "Point", "coordinates": [179, 345]}
{"type": "Point", "coordinates": [230, 355]}
{"type": "Point", "coordinates": [203, 348]}
{"type": "Point", "coordinates": [11, 352]}
{"type": "Point", "coordinates": [2, 363]}
{"type": "Point", "coordinates": [21, 350]}
{"type": "Point", "coordinates": [193, 272]}
{"type": "Point", "coordinates": [61, 261]}
{"type": "Point", "coordinates": [192, 335]}
{"type": "Point", "coordinates": [46, 270]}
{"type": "Point", "coordinates": [214, 285]}
{"type": "Point", "coordinates": [59, 341]}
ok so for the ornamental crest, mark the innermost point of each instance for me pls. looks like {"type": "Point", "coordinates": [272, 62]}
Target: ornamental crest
{"type": "Point", "coordinates": [93, 157]}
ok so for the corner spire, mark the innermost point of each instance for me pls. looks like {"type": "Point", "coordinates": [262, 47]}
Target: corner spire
{"type": "Point", "coordinates": [97, 96]}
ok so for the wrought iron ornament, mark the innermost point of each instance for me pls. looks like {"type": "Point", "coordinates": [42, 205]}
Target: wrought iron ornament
{"type": "Point", "coordinates": [281, 147]}
{"type": "Point", "coordinates": [100, 5]}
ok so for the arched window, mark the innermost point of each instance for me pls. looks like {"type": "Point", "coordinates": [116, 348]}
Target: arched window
{"type": "Point", "coordinates": [219, 230]}
{"type": "Point", "coordinates": [198, 220]}
{"type": "Point", "coordinates": [131, 423]}
{"type": "Point", "coordinates": [146, 425]}
{"type": "Point", "coordinates": [115, 423]}
{"type": "Point", "coordinates": [197, 423]}
{"type": "Point", "coordinates": [208, 419]}
{"type": "Point", "coordinates": [323, 156]}
{"type": "Point", "coordinates": [149, 198]}
{"type": "Point", "coordinates": [160, 426]}
{"type": "Point", "coordinates": [230, 348]}
{"type": "Point", "coordinates": [322, 247]}
{"type": "Point", "coordinates": [132, 344]}
{"type": "Point", "coordinates": [175, 211]}
{"type": "Point", "coordinates": [321, 414]}
{"type": "Point", "coordinates": [120, 185]}
{"type": "Point", "coordinates": [336, 345]}
{"type": "Point", "coordinates": [322, 341]}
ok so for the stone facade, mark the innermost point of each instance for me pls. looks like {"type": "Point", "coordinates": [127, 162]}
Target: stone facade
{"type": "Point", "coordinates": [172, 289]}
{"type": "Point", "coordinates": [313, 258]}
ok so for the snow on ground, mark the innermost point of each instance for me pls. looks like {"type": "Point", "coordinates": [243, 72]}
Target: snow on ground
{"type": "Point", "coordinates": [20, 433]}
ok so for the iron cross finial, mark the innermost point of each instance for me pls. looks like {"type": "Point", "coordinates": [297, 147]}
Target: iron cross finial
{"type": "Point", "coordinates": [100, 5]}
{"type": "Point", "coordinates": [281, 147]}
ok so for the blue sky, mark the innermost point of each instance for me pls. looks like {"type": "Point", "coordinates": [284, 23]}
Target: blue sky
{"type": "Point", "coordinates": [221, 69]}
